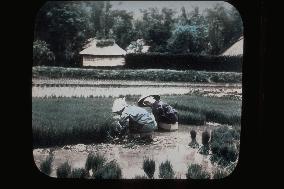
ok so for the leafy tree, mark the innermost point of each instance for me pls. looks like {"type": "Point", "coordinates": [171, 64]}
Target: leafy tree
{"type": "Point", "coordinates": [63, 25]}
{"type": "Point", "coordinates": [123, 28]}
{"type": "Point", "coordinates": [42, 55]}
{"type": "Point", "coordinates": [225, 26]}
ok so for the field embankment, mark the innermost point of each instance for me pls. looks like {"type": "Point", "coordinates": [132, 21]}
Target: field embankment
{"type": "Point", "coordinates": [137, 75]}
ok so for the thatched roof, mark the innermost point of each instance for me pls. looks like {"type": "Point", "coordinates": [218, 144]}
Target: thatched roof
{"type": "Point", "coordinates": [235, 49]}
{"type": "Point", "coordinates": [92, 49]}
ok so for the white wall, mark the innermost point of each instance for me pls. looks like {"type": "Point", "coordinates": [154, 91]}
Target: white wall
{"type": "Point", "coordinates": [116, 61]}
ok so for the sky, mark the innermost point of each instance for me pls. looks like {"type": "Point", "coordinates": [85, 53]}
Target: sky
{"type": "Point", "coordinates": [135, 6]}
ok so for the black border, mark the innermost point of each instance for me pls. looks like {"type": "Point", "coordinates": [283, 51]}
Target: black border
{"type": "Point", "coordinates": [255, 17]}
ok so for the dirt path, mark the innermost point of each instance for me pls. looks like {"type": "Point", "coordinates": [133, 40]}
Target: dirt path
{"type": "Point", "coordinates": [172, 146]}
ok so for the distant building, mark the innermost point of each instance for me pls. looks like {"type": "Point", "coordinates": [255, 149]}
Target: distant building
{"type": "Point", "coordinates": [99, 53]}
{"type": "Point", "coordinates": [236, 49]}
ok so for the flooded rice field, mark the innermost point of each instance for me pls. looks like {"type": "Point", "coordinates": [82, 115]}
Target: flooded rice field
{"type": "Point", "coordinates": [172, 146]}
{"type": "Point", "coordinates": [106, 88]}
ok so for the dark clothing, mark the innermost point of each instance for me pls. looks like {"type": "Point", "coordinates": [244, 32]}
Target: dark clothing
{"type": "Point", "coordinates": [164, 112]}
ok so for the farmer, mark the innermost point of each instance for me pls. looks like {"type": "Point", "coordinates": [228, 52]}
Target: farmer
{"type": "Point", "coordinates": [134, 120]}
{"type": "Point", "coordinates": [165, 115]}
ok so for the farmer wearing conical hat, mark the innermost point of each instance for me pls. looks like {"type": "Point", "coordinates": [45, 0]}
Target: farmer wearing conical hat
{"type": "Point", "coordinates": [135, 119]}
{"type": "Point", "coordinates": [165, 115]}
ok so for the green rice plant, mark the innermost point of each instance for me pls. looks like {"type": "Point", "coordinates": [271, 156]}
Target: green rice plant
{"type": "Point", "coordinates": [149, 167]}
{"type": "Point", "coordinates": [224, 150]}
{"type": "Point", "coordinates": [219, 173]}
{"type": "Point", "coordinates": [140, 177]}
{"type": "Point", "coordinates": [193, 143]}
{"type": "Point", "coordinates": [79, 173]}
{"type": "Point", "coordinates": [63, 171]}
{"type": "Point", "coordinates": [186, 117]}
{"type": "Point", "coordinates": [80, 121]}
{"type": "Point", "coordinates": [195, 171]}
{"type": "Point", "coordinates": [213, 109]}
{"type": "Point", "coordinates": [45, 166]}
{"type": "Point", "coordinates": [166, 170]}
{"type": "Point", "coordinates": [110, 170]}
{"type": "Point", "coordinates": [94, 162]}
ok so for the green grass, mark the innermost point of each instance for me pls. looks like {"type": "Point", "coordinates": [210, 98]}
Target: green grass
{"type": "Point", "coordinates": [132, 74]}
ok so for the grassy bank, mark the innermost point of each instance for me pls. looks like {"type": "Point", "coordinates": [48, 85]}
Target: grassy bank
{"type": "Point", "coordinates": [131, 74]}
{"type": "Point", "coordinates": [59, 121]}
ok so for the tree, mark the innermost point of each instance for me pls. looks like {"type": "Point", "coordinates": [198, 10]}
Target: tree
{"type": "Point", "coordinates": [65, 27]}
{"type": "Point", "coordinates": [123, 28]}
{"type": "Point", "coordinates": [157, 27]}
{"type": "Point", "coordinates": [225, 26]}
{"type": "Point", "coordinates": [42, 54]}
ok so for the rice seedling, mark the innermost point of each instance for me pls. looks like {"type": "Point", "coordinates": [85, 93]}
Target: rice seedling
{"type": "Point", "coordinates": [149, 167]}
{"type": "Point", "coordinates": [79, 173]}
{"type": "Point", "coordinates": [193, 143]}
{"type": "Point", "coordinates": [166, 170]}
{"type": "Point", "coordinates": [110, 170]}
{"type": "Point", "coordinates": [94, 162]}
{"type": "Point", "coordinates": [63, 171]}
{"type": "Point", "coordinates": [45, 166]}
{"type": "Point", "coordinates": [224, 150]}
{"type": "Point", "coordinates": [140, 177]}
{"type": "Point", "coordinates": [195, 171]}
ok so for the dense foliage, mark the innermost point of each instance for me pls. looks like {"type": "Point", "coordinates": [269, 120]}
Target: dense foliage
{"type": "Point", "coordinates": [66, 26]}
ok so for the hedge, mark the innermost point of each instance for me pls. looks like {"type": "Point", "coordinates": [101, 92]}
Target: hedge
{"type": "Point", "coordinates": [183, 61]}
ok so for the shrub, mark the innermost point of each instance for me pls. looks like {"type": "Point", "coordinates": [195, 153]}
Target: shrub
{"type": "Point", "coordinates": [166, 170]}
{"type": "Point", "coordinates": [63, 171]}
{"type": "Point", "coordinates": [109, 171]}
{"type": "Point", "coordinates": [183, 61]}
{"type": "Point", "coordinates": [45, 166]}
{"type": "Point", "coordinates": [79, 173]}
{"type": "Point", "coordinates": [94, 162]}
{"type": "Point", "coordinates": [195, 171]}
{"type": "Point", "coordinates": [149, 167]}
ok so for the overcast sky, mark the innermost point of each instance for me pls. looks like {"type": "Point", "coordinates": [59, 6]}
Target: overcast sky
{"type": "Point", "coordinates": [135, 6]}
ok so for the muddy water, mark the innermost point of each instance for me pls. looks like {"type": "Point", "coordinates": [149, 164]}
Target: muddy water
{"type": "Point", "coordinates": [105, 88]}
{"type": "Point", "coordinates": [172, 146]}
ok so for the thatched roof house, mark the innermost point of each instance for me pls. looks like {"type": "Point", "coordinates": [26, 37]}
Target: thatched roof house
{"type": "Point", "coordinates": [102, 53]}
{"type": "Point", "coordinates": [236, 49]}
